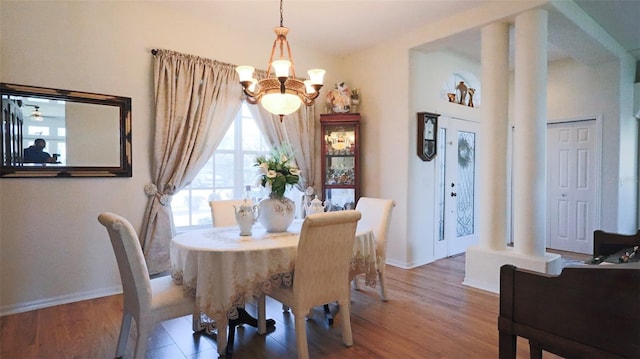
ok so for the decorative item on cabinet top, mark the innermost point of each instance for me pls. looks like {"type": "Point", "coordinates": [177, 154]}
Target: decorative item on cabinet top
{"type": "Point", "coordinates": [427, 135]}
{"type": "Point", "coordinates": [342, 99]}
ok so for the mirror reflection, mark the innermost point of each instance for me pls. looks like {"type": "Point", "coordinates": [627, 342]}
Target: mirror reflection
{"type": "Point", "coordinates": [50, 132]}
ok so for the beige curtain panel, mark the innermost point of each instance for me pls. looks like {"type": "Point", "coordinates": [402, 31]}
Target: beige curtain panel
{"type": "Point", "coordinates": [196, 100]}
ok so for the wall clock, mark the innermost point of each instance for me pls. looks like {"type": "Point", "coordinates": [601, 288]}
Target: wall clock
{"type": "Point", "coordinates": [427, 135]}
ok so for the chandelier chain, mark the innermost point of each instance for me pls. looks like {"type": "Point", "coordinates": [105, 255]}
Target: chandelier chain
{"type": "Point", "coordinates": [281, 16]}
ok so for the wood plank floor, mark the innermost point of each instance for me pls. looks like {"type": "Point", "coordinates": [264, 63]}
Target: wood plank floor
{"type": "Point", "coordinates": [430, 314]}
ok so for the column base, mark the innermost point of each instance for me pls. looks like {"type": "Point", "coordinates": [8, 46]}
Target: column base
{"type": "Point", "coordinates": [482, 267]}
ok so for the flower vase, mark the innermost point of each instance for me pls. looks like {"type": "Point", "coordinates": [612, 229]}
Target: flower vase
{"type": "Point", "coordinates": [276, 213]}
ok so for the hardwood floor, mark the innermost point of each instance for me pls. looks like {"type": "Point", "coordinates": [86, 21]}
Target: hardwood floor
{"type": "Point", "coordinates": [430, 314]}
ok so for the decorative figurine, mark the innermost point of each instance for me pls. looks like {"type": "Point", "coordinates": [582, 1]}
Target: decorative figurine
{"type": "Point", "coordinates": [471, 92]}
{"type": "Point", "coordinates": [462, 88]}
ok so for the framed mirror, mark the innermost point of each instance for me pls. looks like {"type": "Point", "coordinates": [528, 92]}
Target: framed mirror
{"type": "Point", "coordinates": [61, 133]}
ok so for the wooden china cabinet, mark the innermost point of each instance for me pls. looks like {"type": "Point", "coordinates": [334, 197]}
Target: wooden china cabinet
{"type": "Point", "coordinates": [340, 160]}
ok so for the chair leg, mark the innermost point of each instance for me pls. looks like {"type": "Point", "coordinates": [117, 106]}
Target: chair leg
{"type": "Point", "coordinates": [356, 284]}
{"type": "Point", "coordinates": [535, 350]}
{"type": "Point", "coordinates": [233, 323]}
{"type": "Point", "coordinates": [301, 336]}
{"type": "Point", "coordinates": [196, 320]}
{"type": "Point", "coordinates": [345, 317]}
{"type": "Point", "coordinates": [144, 331]}
{"type": "Point", "coordinates": [383, 285]}
{"type": "Point", "coordinates": [125, 328]}
{"type": "Point", "coordinates": [506, 345]}
{"type": "Point", "coordinates": [221, 337]}
{"type": "Point", "coordinates": [262, 315]}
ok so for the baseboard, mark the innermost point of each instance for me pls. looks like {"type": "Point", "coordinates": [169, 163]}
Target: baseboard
{"type": "Point", "coordinates": [480, 285]}
{"type": "Point", "coordinates": [63, 299]}
{"type": "Point", "coordinates": [402, 265]}
{"type": "Point", "coordinates": [407, 265]}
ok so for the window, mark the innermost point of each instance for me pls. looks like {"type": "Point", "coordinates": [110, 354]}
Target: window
{"type": "Point", "coordinates": [229, 173]}
{"type": "Point", "coordinates": [38, 131]}
{"type": "Point", "coordinates": [225, 176]}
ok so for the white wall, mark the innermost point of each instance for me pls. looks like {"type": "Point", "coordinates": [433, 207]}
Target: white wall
{"type": "Point", "coordinates": [52, 248]}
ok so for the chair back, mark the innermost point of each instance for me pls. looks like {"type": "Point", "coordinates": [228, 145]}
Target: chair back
{"type": "Point", "coordinates": [136, 285]}
{"type": "Point", "coordinates": [223, 213]}
{"type": "Point", "coordinates": [323, 259]}
{"type": "Point", "coordinates": [376, 214]}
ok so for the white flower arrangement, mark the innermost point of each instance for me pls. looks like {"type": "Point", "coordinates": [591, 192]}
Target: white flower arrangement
{"type": "Point", "coordinates": [277, 170]}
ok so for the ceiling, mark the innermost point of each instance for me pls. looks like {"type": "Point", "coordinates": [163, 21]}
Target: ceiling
{"type": "Point", "coordinates": [620, 18]}
{"type": "Point", "coordinates": [343, 27]}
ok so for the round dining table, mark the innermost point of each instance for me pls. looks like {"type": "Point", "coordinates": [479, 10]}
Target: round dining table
{"type": "Point", "coordinates": [224, 270]}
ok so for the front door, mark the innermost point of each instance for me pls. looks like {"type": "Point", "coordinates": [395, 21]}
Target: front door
{"type": "Point", "coordinates": [571, 185]}
{"type": "Point", "coordinates": [457, 189]}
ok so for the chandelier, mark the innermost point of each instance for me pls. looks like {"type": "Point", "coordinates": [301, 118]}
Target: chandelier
{"type": "Point", "coordinates": [282, 94]}
{"type": "Point", "coordinates": [36, 114]}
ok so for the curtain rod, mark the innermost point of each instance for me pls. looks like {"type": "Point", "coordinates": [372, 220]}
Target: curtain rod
{"type": "Point", "coordinates": [154, 52]}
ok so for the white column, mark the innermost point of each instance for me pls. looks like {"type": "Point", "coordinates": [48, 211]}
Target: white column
{"type": "Point", "coordinates": [494, 132]}
{"type": "Point", "coordinates": [529, 155]}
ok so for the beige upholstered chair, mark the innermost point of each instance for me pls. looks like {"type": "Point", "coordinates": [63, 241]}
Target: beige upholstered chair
{"type": "Point", "coordinates": [321, 273]}
{"type": "Point", "coordinates": [148, 301]}
{"type": "Point", "coordinates": [376, 214]}
{"type": "Point", "coordinates": [223, 213]}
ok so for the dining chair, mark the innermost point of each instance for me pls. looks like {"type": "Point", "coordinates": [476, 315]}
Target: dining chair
{"type": "Point", "coordinates": [148, 301]}
{"type": "Point", "coordinates": [376, 215]}
{"type": "Point", "coordinates": [321, 273]}
{"type": "Point", "coordinates": [223, 213]}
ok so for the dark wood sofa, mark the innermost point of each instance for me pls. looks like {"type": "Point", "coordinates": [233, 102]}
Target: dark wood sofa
{"type": "Point", "coordinates": [585, 312]}
{"type": "Point", "coordinates": [606, 243]}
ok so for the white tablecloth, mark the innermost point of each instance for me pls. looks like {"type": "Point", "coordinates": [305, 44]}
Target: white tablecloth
{"type": "Point", "coordinates": [223, 270]}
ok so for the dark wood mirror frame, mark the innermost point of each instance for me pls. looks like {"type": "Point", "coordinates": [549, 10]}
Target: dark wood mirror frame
{"type": "Point", "coordinates": [11, 140]}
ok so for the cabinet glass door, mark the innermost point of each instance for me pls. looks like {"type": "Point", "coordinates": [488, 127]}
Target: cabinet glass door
{"type": "Point", "coordinates": [340, 166]}
{"type": "Point", "coordinates": [340, 198]}
{"type": "Point", "coordinates": [340, 171]}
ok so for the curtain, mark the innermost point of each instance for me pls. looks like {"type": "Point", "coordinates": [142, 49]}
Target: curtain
{"type": "Point", "coordinates": [196, 100]}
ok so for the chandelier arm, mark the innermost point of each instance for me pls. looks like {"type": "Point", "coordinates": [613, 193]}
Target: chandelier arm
{"type": "Point", "coordinates": [273, 51]}
{"type": "Point", "coordinates": [293, 67]}
{"type": "Point", "coordinates": [251, 101]}
{"type": "Point", "coordinates": [251, 97]}
{"type": "Point", "coordinates": [308, 99]}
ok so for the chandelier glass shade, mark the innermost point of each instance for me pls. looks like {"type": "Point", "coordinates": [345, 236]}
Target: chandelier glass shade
{"type": "Point", "coordinates": [280, 93]}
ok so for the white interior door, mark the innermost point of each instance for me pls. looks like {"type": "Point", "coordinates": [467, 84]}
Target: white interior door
{"type": "Point", "coordinates": [571, 185]}
{"type": "Point", "coordinates": [457, 187]}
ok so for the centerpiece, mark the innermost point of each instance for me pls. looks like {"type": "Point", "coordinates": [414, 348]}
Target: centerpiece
{"type": "Point", "coordinates": [276, 171]}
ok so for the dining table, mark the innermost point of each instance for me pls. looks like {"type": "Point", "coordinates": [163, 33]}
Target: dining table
{"type": "Point", "coordinates": [224, 270]}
